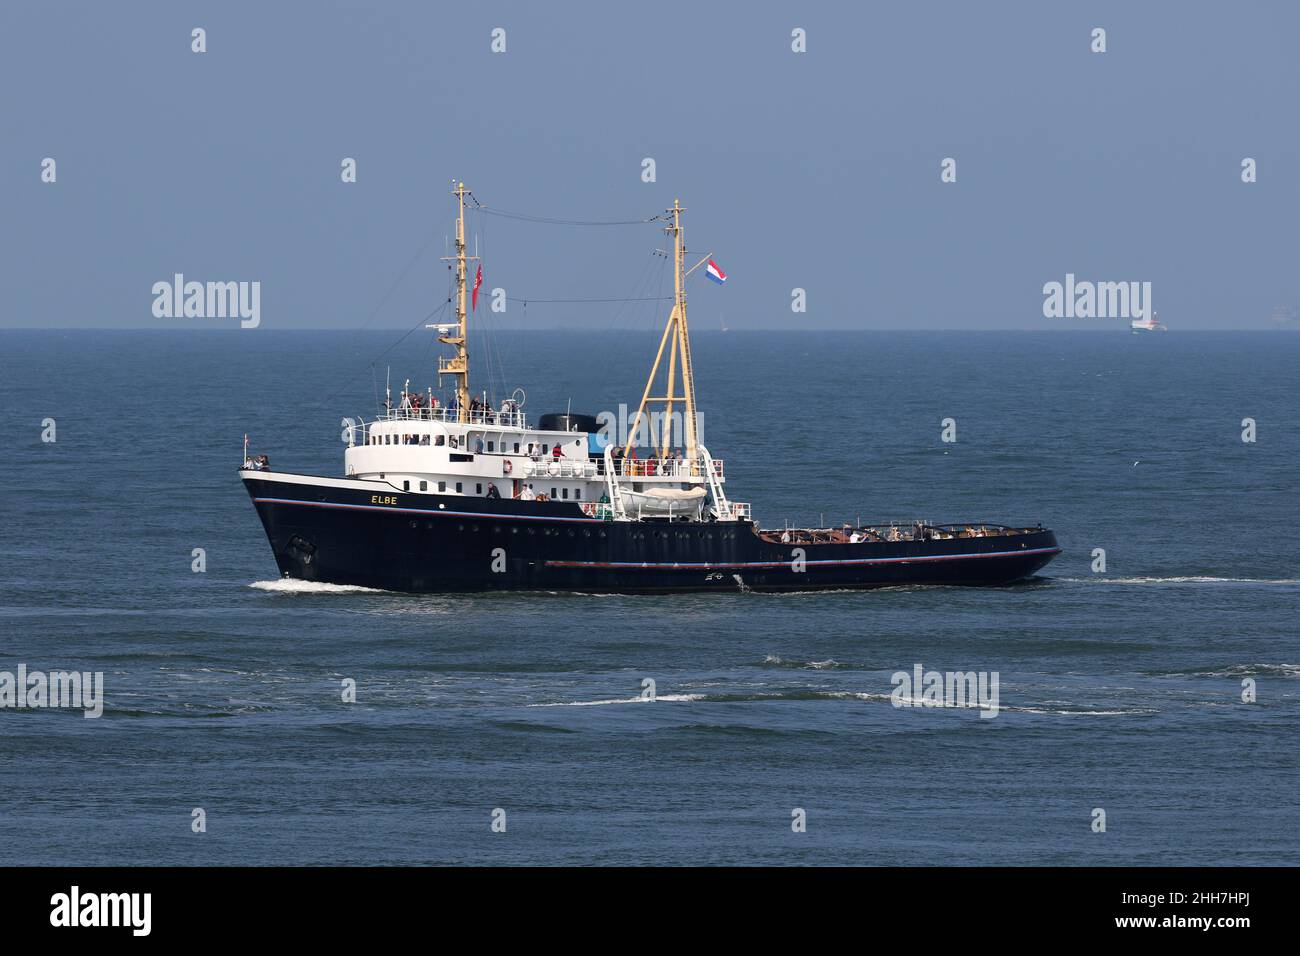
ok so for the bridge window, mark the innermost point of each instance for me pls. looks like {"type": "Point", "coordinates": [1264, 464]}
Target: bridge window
{"type": "Point", "coordinates": [440, 440]}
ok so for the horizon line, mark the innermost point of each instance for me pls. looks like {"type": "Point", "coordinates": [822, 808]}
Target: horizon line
{"type": "Point", "coordinates": [648, 331]}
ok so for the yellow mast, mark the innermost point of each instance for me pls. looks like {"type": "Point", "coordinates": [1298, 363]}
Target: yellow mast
{"type": "Point", "coordinates": [459, 365]}
{"type": "Point", "coordinates": [679, 355]}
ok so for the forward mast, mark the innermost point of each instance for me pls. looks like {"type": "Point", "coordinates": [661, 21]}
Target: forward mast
{"type": "Point", "coordinates": [458, 365]}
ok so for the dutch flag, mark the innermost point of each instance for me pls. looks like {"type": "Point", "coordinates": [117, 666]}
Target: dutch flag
{"type": "Point", "coordinates": [714, 272]}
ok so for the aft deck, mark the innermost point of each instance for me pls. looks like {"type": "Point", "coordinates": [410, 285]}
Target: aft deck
{"type": "Point", "coordinates": [893, 531]}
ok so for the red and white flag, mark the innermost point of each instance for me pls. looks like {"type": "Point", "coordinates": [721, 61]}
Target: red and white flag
{"type": "Point", "coordinates": [478, 281]}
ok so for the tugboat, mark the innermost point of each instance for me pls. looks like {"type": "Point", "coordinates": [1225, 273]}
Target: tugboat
{"type": "Point", "coordinates": [467, 496]}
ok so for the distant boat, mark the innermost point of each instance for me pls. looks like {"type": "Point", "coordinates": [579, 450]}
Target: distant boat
{"type": "Point", "coordinates": [722, 322]}
{"type": "Point", "coordinates": [1147, 325]}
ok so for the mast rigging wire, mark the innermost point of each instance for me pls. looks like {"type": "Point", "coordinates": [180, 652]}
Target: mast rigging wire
{"type": "Point", "coordinates": [550, 220]}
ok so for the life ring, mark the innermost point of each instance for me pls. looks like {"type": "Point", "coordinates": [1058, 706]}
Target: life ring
{"type": "Point", "coordinates": [507, 466]}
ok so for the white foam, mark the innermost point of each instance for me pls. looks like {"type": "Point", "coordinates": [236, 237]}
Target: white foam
{"type": "Point", "coordinates": [1079, 713]}
{"type": "Point", "coordinates": [975, 705]}
{"type": "Point", "coordinates": [814, 665]}
{"type": "Point", "coordinates": [294, 586]}
{"type": "Point", "coordinates": [628, 700]}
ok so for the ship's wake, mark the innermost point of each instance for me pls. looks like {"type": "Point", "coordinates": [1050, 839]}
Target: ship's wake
{"type": "Point", "coordinates": [1181, 579]}
{"type": "Point", "coordinates": [294, 586]}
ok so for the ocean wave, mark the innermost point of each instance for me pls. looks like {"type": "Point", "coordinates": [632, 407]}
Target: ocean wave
{"type": "Point", "coordinates": [660, 698]}
{"type": "Point", "coordinates": [1235, 670]}
{"type": "Point", "coordinates": [1067, 710]}
{"type": "Point", "coordinates": [772, 660]}
{"type": "Point", "coordinates": [1055, 711]}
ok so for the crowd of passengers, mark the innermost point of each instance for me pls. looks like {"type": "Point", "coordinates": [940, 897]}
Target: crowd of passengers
{"type": "Point", "coordinates": [417, 403]}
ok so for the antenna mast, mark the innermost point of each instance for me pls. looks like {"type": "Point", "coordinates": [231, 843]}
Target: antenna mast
{"type": "Point", "coordinates": [459, 365]}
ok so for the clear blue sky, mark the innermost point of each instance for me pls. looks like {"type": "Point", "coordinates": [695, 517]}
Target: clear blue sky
{"type": "Point", "coordinates": [816, 170]}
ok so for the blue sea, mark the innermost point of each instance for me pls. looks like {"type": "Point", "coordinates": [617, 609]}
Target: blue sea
{"type": "Point", "coordinates": [1120, 690]}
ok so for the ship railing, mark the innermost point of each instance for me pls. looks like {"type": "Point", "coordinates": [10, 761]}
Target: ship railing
{"type": "Point", "coordinates": [658, 467]}
{"type": "Point", "coordinates": [741, 511]}
{"type": "Point", "coordinates": [982, 529]}
{"type": "Point", "coordinates": [560, 468]}
{"type": "Point", "coordinates": [913, 530]}
{"type": "Point", "coordinates": [444, 413]}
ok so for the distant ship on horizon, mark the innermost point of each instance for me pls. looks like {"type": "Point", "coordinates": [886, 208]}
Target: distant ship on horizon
{"type": "Point", "coordinates": [1137, 326]}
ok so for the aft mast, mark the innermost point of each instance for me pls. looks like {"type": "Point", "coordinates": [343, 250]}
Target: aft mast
{"type": "Point", "coordinates": [459, 365]}
{"type": "Point", "coordinates": [679, 352]}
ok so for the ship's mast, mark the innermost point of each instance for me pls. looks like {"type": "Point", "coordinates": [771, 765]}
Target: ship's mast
{"type": "Point", "coordinates": [679, 352]}
{"type": "Point", "coordinates": [459, 365]}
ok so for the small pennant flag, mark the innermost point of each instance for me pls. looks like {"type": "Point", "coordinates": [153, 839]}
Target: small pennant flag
{"type": "Point", "coordinates": [478, 281]}
{"type": "Point", "coordinates": [714, 272]}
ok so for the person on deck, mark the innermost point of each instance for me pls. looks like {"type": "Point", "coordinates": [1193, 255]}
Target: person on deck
{"type": "Point", "coordinates": [492, 491]}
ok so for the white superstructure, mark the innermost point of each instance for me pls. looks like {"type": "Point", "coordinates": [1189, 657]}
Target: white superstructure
{"type": "Point", "coordinates": [430, 450]}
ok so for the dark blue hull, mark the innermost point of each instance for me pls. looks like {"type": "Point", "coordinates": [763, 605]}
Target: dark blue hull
{"type": "Point", "coordinates": [422, 542]}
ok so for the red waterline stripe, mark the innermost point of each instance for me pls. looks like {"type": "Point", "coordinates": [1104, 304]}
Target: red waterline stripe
{"type": "Point", "coordinates": [633, 565]}
{"type": "Point", "coordinates": [420, 511]}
